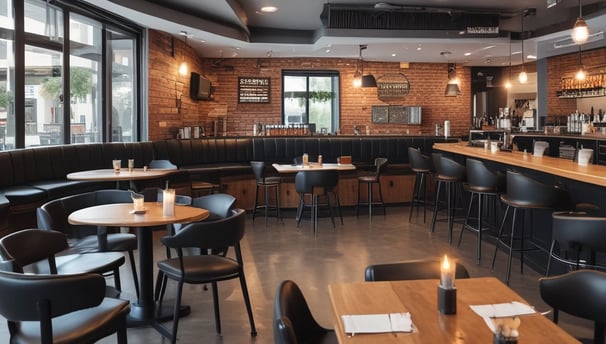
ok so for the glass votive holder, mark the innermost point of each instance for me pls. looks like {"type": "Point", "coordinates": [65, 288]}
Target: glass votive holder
{"type": "Point", "coordinates": [138, 201]}
{"type": "Point", "coordinates": [168, 202]}
{"type": "Point", "coordinates": [116, 164]}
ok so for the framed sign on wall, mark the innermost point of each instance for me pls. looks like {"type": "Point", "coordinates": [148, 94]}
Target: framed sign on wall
{"type": "Point", "coordinates": [253, 89]}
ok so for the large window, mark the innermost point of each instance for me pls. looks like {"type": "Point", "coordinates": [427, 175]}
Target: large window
{"type": "Point", "coordinates": [78, 70]}
{"type": "Point", "coordinates": [311, 97]}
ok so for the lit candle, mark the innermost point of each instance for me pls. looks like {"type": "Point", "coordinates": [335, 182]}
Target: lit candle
{"type": "Point", "coordinates": [447, 274]}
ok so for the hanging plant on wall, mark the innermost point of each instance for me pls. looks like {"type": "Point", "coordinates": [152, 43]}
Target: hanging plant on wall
{"type": "Point", "coordinates": [320, 96]}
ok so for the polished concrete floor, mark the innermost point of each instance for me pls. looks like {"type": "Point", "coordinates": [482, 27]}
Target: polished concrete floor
{"type": "Point", "coordinates": [335, 255]}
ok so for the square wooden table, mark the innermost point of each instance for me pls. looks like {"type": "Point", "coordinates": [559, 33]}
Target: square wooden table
{"type": "Point", "coordinates": [420, 298]}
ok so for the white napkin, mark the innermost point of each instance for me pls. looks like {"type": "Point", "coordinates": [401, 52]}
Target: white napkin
{"type": "Point", "coordinates": [500, 310]}
{"type": "Point", "coordinates": [377, 323]}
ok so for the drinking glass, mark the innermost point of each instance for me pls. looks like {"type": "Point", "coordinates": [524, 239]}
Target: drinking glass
{"type": "Point", "coordinates": [116, 164]}
{"type": "Point", "coordinates": [131, 165]}
{"type": "Point", "coordinates": [138, 200]}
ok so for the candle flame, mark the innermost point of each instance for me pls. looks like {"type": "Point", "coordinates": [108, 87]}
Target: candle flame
{"type": "Point", "coordinates": [446, 264]}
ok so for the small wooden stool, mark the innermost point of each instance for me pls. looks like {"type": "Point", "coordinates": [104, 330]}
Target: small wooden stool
{"type": "Point", "coordinates": [201, 188]}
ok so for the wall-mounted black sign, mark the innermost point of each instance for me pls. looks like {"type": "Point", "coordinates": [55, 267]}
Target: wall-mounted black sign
{"type": "Point", "coordinates": [253, 89]}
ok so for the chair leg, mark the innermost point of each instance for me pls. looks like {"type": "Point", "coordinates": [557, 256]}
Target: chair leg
{"type": "Point", "coordinates": [277, 188]}
{"type": "Point", "coordinates": [256, 202]}
{"type": "Point", "coordinates": [117, 283]}
{"type": "Point", "coordinates": [339, 206]}
{"type": "Point", "coordinates": [598, 333]}
{"type": "Point", "coordinates": [300, 209]}
{"type": "Point", "coordinates": [266, 203]}
{"type": "Point", "coordinates": [133, 269]}
{"type": "Point", "coordinates": [121, 335]}
{"type": "Point", "coordinates": [176, 312]}
{"type": "Point", "coordinates": [415, 196]}
{"type": "Point", "coordinates": [499, 235]}
{"type": "Point", "coordinates": [330, 209]}
{"type": "Point", "coordinates": [358, 204]}
{"type": "Point", "coordinates": [381, 199]}
{"type": "Point", "coordinates": [253, 330]}
{"type": "Point", "coordinates": [369, 192]}
{"type": "Point", "coordinates": [551, 248]}
{"type": "Point", "coordinates": [216, 307]}
{"type": "Point", "coordinates": [479, 239]}
{"type": "Point", "coordinates": [435, 208]}
{"type": "Point", "coordinates": [511, 239]}
{"type": "Point", "coordinates": [465, 223]}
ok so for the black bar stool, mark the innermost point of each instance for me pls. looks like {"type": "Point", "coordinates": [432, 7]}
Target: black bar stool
{"type": "Point", "coordinates": [369, 180]}
{"type": "Point", "coordinates": [485, 186]}
{"type": "Point", "coordinates": [317, 184]}
{"type": "Point", "coordinates": [451, 175]}
{"type": "Point", "coordinates": [524, 193]}
{"type": "Point", "coordinates": [422, 166]}
{"type": "Point", "coordinates": [258, 168]}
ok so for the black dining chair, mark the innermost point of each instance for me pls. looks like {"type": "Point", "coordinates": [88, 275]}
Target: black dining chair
{"type": "Point", "coordinates": [410, 270]}
{"type": "Point", "coordinates": [86, 239]}
{"type": "Point", "coordinates": [293, 321]}
{"type": "Point", "coordinates": [580, 293]}
{"type": "Point", "coordinates": [266, 183]}
{"type": "Point", "coordinates": [205, 268]}
{"type": "Point", "coordinates": [50, 309]}
{"type": "Point", "coordinates": [44, 252]}
{"type": "Point", "coordinates": [369, 180]}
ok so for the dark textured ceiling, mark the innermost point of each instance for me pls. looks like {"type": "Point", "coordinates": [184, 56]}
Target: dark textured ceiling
{"type": "Point", "coordinates": [404, 31]}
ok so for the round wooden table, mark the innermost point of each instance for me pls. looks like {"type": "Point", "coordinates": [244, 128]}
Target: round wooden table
{"type": "Point", "coordinates": [121, 215]}
{"type": "Point", "coordinates": [124, 175]}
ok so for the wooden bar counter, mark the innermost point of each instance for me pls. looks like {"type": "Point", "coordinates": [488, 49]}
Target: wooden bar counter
{"type": "Point", "coordinates": [592, 174]}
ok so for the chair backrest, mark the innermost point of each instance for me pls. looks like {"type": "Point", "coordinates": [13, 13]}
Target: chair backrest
{"type": "Point", "coordinates": [380, 164]}
{"type": "Point", "coordinates": [53, 214]}
{"type": "Point", "coordinates": [451, 169]}
{"type": "Point", "coordinates": [258, 169]}
{"type": "Point", "coordinates": [435, 158]}
{"type": "Point", "coordinates": [409, 270]}
{"type": "Point", "coordinates": [305, 181]}
{"type": "Point", "coordinates": [526, 191]}
{"type": "Point", "coordinates": [293, 316]}
{"type": "Point", "coordinates": [481, 177]}
{"type": "Point", "coordinates": [40, 298]}
{"type": "Point", "coordinates": [580, 232]}
{"type": "Point", "coordinates": [580, 293]}
{"type": "Point", "coordinates": [217, 234]}
{"type": "Point", "coordinates": [418, 161]}
{"type": "Point", "coordinates": [29, 246]}
{"type": "Point", "coordinates": [219, 205]}
{"type": "Point", "coordinates": [162, 164]}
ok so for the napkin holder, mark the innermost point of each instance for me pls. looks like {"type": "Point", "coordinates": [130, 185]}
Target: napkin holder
{"type": "Point", "coordinates": [447, 300]}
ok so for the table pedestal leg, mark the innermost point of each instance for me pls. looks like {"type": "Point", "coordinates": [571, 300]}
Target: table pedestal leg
{"type": "Point", "coordinates": [142, 311]}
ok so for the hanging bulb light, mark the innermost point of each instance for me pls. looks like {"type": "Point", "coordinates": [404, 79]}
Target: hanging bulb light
{"type": "Point", "coordinates": [523, 76]}
{"type": "Point", "coordinates": [357, 81]}
{"type": "Point", "coordinates": [580, 31]}
{"type": "Point", "coordinates": [581, 72]}
{"type": "Point", "coordinates": [508, 82]}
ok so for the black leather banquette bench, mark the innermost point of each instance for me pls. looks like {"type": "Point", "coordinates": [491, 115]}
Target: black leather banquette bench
{"type": "Point", "coordinates": [35, 175]}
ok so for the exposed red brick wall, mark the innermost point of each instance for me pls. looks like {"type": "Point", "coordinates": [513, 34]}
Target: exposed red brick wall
{"type": "Point", "coordinates": [567, 66]}
{"type": "Point", "coordinates": [427, 84]}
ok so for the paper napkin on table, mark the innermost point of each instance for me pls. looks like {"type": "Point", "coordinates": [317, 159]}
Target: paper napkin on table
{"type": "Point", "coordinates": [499, 310]}
{"type": "Point", "coordinates": [377, 323]}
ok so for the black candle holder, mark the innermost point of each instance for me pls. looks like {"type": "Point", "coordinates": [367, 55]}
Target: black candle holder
{"type": "Point", "coordinates": [447, 300]}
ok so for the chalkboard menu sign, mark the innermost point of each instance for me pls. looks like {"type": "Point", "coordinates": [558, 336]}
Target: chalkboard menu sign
{"type": "Point", "coordinates": [253, 89]}
{"type": "Point", "coordinates": [393, 85]}
{"type": "Point", "coordinates": [380, 114]}
{"type": "Point", "coordinates": [398, 114]}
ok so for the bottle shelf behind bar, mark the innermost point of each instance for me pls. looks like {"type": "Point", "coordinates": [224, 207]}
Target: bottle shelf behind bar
{"type": "Point", "coordinates": [591, 86]}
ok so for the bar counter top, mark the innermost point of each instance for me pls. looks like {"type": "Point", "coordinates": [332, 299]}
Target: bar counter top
{"type": "Point", "coordinates": [592, 174]}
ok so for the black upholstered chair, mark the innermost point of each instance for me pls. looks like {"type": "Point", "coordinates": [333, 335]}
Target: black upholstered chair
{"type": "Point", "coordinates": [576, 239]}
{"type": "Point", "coordinates": [369, 180]}
{"type": "Point", "coordinates": [50, 309]}
{"type": "Point", "coordinates": [86, 239]}
{"type": "Point", "coordinates": [524, 193]}
{"type": "Point", "coordinates": [409, 270]}
{"type": "Point", "coordinates": [422, 166]}
{"type": "Point", "coordinates": [178, 180]}
{"type": "Point", "coordinates": [266, 183]}
{"type": "Point", "coordinates": [205, 268]}
{"type": "Point", "coordinates": [306, 184]}
{"type": "Point", "coordinates": [449, 175]}
{"type": "Point", "coordinates": [43, 252]}
{"type": "Point", "coordinates": [293, 320]}
{"type": "Point", "coordinates": [581, 293]}
{"type": "Point", "coordinates": [485, 186]}
{"type": "Point", "coordinates": [219, 205]}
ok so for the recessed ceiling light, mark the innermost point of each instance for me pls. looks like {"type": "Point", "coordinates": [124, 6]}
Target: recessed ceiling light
{"type": "Point", "coordinates": [466, 54]}
{"type": "Point", "coordinates": [393, 55]}
{"type": "Point", "coordinates": [531, 57]}
{"type": "Point", "coordinates": [269, 9]}
{"type": "Point", "coordinates": [327, 51]}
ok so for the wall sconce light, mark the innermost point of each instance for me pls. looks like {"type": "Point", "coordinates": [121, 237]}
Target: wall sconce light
{"type": "Point", "coordinates": [361, 80]}
{"type": "Point", "coordinates": [183, 65]}
{"type": "Point", "coordinates": [580, 31]}
{"type": "Point", "coordinates": [452, 87]}
{"type": "Point", "coordinates": [523, 76]}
